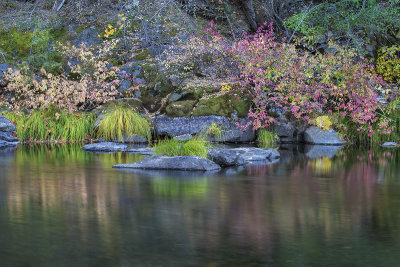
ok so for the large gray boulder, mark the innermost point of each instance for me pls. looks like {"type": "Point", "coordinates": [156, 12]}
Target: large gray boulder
{"type": "Point", "coordinates": [288, 132]}
{"type": "Point", "coordinates": [243, 155]}
{"type": "Point", "coordinates": [105, 147]}
{"type": "Point", "coordinates": [176, 126]}
{"type": "Point", "coordinates": [6, 126]}
{"type": "Point", "coordinates": [317, 136]}
{"type": "Point", "coordinates": [184, 163]}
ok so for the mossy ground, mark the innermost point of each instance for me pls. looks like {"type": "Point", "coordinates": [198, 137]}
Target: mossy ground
{"type": "Point", "coordinates": [223, 105]}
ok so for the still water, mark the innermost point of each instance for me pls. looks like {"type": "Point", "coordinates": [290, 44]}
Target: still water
{"type": "Point", "coordinates": [61, 206]}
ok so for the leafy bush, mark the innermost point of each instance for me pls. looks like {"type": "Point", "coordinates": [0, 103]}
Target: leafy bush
{"type": "Point", "coordinates": [194, 147]}
{"type": "Point", "coordinates": [34, 47]}
{"type": "Point", "coordinates": [120, 122]}
{"type": "Point", "coordinates": [52, 125]}
{"type": "Point", "coordinates": [92, 84]}
{"type": "Point", "coordinates": [307, 85]}
{"type": "Point", "coordinates": [323, 122]}
{"type": "Point", "coordinates": [354, 21]}
{"type": "Point", "coordinates": [388, 63]}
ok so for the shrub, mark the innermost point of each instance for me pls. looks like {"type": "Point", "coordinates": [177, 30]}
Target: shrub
{"type": "Point", "coordinates": [307, 85]}
{"type": "Point", "coordinates": [34, 47]}
{"type": "Point", "coordinates": [194, 147]}
{"type": "Point", "coordinates": [52, 125]}
{"type": "Point", "coordinates": [323, 122]}
{"type": "Point", "coordinates": [352, 21]}
{"type": "Point", "coordinates": [266, 138]}
{"type": "Point", "coordinates": [120, 122]}
{"type": "Point", "coordinates": [388, 63]}
{"type": "Point", "coordinates": [93, 84]}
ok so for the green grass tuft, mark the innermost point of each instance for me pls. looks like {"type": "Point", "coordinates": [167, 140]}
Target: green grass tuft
{"type": "Point", "coordinates": [52, 125]}
{"type": "Point", "coordinates": [215, 130]}
{"type": "Point", "coordinates": [120, 122]}
{"type": "Point", "coordinates": [195, 147]}
{"type": "Point", "coordinates": [266, 138]}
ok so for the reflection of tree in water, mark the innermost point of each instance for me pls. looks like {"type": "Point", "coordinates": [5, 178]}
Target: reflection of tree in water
{"type": "Point", "coordinates": [266, 214]}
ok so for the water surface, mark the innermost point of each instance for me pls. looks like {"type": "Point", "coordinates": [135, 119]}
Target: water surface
{"type": "Point", "coordinates": [61, 206]}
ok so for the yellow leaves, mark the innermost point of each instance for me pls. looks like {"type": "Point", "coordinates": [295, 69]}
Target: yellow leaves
{"type": "Point", "coordinates": [388, 63]}
{"type": "Point", "coordinates": [225, 87]}
{"type": "Point", "coordinates": [323, 122]}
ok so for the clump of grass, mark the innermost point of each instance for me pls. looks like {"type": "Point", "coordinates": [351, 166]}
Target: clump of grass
{"type": "Point", "coordinates": [195, 147]}
{"type": "Point", "coordinates": [120, 122]}
{"type": "Point", "coordinates": [52, 125]}
{"type": "Point", "coordinates": [266, 138]}
{"type": "Point", "coordinates": [215, 130]}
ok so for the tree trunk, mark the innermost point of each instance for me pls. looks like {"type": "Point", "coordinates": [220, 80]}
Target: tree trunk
{"type": "Point", "coordinates": [250, 13]}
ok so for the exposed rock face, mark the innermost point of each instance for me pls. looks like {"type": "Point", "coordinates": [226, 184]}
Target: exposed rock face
{"type": "Point", "coordinates": [316, 136]}
{"type": "Point", "coordinates": [166, 126]}
{"type": "Point", "coordinates": [240, 156]}
{"type": "Point", "coordinates": [186, 163]}
{"type": "Point", "coordinates": [288, 132]}
{"type": "Point", "coordinates": [105, 147]}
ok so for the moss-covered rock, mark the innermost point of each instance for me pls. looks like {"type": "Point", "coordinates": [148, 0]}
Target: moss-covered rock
{"type": "Point", "coordinates": [180, 108]}
{"type": "Point", "coordinates": [222, 105]}
{"type": "Point", "coordinates": [142, 54]}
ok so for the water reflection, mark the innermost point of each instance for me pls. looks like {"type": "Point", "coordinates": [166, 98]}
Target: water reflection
{"type": "Point", "coordinates": [61, 206]}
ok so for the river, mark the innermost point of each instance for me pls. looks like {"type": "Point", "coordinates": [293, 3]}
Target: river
{"type": "Point", "coordinates": [62, 206]}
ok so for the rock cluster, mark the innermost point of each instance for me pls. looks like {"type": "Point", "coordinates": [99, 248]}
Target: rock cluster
{"type": "Point", "coordinates": [179, 126]}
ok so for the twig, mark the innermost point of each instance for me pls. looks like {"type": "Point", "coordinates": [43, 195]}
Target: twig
{"type": "Point", "coordinates": [61, 5]}
{"type": "Point", "coordinates": [230, 24]}
{"type": "Point", "coordinates": [301, 21]}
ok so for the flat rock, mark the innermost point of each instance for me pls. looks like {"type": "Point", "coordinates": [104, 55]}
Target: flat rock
{"type": "Point", "coordinates": [183, 163]}
{"type": "Point", "coordinates": [240, 156]}
{"type": "Point", "coordinates": [6, 126]}
{"type": "Point", "coordinates": [105, 147]}
{"type": "Point", "coordinates": [317, 136]}
{"type": "Point", "coordinates": [389, 144]}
